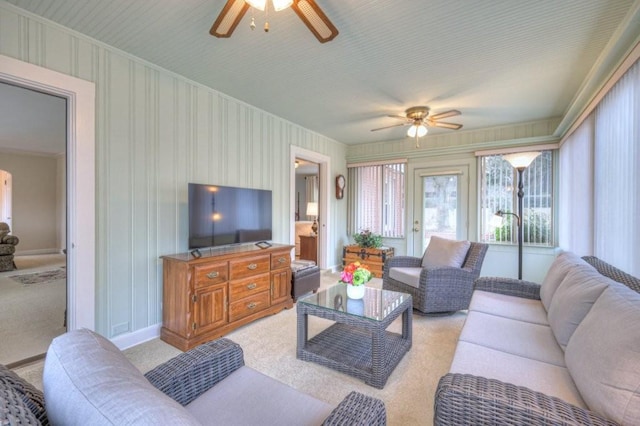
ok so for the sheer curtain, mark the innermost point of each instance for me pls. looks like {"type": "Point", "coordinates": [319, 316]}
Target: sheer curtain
{"type": "Point", "coordinates": [575, 212]}
{"type": "Point", "coordinates": [617, 174]}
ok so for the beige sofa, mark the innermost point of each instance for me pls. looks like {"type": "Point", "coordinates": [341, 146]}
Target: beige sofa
{"type": "Point", "coordinates": [563, 352]}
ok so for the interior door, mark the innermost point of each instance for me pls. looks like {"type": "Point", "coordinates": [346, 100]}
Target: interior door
{"type": "Point", "coordinates": [440, 206]}
{"type": "Point", "coordinates": [5, 198]}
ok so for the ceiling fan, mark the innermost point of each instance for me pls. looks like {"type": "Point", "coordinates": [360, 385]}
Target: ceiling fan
{"type": "Point", "coordinates": [419, 119]}
{"type": "Point", "coordinates": [312, 16]}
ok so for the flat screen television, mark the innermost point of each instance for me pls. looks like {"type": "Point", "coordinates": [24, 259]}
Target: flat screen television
{"type": "Point", "coordinates": [224, 215]}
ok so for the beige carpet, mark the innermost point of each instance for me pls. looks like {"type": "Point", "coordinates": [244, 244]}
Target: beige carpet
{"type": "Point", "coordinates": [31, 315]}
{"type": "Point", "coordinates": [269, 346]}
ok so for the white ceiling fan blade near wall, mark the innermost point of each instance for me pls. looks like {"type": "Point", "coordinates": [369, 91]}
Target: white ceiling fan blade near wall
{"type": "Point", "coordinates": [445, 114]}
{"type": "Point", "coordinates": [442, 124]}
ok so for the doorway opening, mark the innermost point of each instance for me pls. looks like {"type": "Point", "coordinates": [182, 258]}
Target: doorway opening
{"type": "Point", "coordinates": [80, 179]}
{"type": "Point", "coordinates": [33, 289]}
{"type": "Point", "coordinates": [300, 208]}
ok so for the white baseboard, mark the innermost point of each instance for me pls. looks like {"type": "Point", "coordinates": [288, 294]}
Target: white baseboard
{"type": "Point", "coordinates": [128, 340]}
{"type": "Point", "coordinates": [38, 251]}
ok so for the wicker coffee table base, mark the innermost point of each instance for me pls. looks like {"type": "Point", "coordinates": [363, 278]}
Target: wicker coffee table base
{"type": "Point", "coordinates": [357, 346]}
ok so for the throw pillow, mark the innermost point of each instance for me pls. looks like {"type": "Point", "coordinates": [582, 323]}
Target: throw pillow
{"type": "Point", "coordinates": [558, 270]}
{"type": "Point", "coordinates": [573, 299]}
{"type": "Point", "coordinates": [603, 355]}
{"type": "Point", "coordinates": [442, 252]}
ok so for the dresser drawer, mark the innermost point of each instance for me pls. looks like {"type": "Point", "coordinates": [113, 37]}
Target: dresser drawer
{"type": "Point", "coordinates": [249, 266]}
{"type": "Point", "coordinates": [280, 260]}
{"type": "Point", "coordinates": [239, 289]}
{"type": "Point", "coordinates": [211, 273]}
{"type": "Point", "coordinates": [248, 306]}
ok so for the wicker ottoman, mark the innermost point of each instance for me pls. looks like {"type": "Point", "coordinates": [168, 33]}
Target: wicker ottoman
{"type": "Point", "coordinates": [6, 257]}
{"type": "Point", "coordinates": [305, 278]}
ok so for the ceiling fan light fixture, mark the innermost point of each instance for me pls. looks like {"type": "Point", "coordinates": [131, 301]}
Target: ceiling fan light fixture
{"type": "Point", "coordinates": [278, 5]}
{"type": "Point", "coordinates": [257, 4]}
{"type": "Point", "coordinates": [417, 130]}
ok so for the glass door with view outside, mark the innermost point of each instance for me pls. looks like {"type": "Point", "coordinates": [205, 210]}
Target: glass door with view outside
{"type": "Point", "coordinates": [437, 209]}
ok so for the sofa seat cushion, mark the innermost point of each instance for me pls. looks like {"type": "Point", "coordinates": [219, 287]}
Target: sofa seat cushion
{"type": "Point", "coordinates": [573, 300]}
{"type": "Point", "coordinates": [409, 276]}
{"type": "Point", "coordinates": [603, 355]}
{"type": "Point", "coordinates": [442, 252]}
{"type": "Point", "coordinates": [248, 397]}
{"type": "Point", "coordinates": [539, 376]}
{"type": "Point", "coordinates": [88, 381]}
{"type": "Point", "coordinates": [518, 308]}
{"type": "Point", "coordinates": [524, 339]}
{"type": "Point", "coordinates": [558, 270]}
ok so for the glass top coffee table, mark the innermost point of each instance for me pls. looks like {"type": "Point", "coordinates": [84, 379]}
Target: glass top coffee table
{"type": "Point", "coordinates": [358, 343]}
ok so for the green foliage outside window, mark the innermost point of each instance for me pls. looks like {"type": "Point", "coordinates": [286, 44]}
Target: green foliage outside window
{"type": "Point", "coordinates": [535, 229]}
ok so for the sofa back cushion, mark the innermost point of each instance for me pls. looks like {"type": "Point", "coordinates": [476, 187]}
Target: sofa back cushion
{"type": "Point", "coordinates": [603, 355]}
{"type": "Point", "coordinates": [558, 270]}
{"type": "Point", "coordinates": [88, 381]}
{"type": "Point", "coordinates": [573, 299]}
{"type": "Point", "coordinates": [442, 252]}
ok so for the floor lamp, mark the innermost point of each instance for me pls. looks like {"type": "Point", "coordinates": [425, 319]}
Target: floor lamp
{"type": "Point", "coordinates": [519, 161]}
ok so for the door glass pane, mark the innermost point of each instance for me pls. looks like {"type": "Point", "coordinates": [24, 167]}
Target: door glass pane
{"type": "Point", "coordinates": [440, 207]}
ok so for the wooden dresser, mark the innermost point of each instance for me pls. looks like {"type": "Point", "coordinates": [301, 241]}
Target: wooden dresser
{"type": "Point", "coordinates": [207, 297]}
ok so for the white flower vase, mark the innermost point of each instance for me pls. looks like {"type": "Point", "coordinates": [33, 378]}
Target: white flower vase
{"type": "Point", "coordinates": [355, 291]}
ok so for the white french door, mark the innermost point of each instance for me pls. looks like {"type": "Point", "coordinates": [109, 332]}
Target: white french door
{"type": "Point", "coordinates": [440, 206]}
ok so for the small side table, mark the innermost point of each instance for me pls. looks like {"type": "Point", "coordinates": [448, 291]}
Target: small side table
{"type": "Point", "coordinates": [309, 247]}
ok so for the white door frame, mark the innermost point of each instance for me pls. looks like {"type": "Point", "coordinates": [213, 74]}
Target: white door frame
{"type": "Point", "coordinates": [324, 198]}
{"type": "Point", "coordinates": [80, 95]}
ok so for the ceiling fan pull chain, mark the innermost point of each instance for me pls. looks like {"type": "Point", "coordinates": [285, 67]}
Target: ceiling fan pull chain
{"type": "Point", "coordinates": [266, 17]}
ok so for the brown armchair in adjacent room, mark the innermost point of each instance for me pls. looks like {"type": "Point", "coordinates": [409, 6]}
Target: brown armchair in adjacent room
{"type": "Point", "coordinates": [442, 280]}
{"type": "Point", "coordinates": [8, 245]}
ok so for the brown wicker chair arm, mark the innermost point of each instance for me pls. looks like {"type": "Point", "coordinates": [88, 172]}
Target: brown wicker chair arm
{"type": "Point", "coordinates": [358, 409]}
{"type": "Point", "coordinates": [508, 286]}
{"type": "Point", "coordinates": [189, 374]}
{"type": "Point", "coordinates": [462, 399]}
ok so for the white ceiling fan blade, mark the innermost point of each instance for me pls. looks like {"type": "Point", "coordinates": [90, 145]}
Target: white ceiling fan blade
{"type": "Point", "coordinates": [445, 114]}
{"type": "Point", "coordinates": [229, 18]}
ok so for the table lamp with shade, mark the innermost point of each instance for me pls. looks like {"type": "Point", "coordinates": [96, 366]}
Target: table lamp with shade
{"type": "Point", "coordinates": [312, 210]}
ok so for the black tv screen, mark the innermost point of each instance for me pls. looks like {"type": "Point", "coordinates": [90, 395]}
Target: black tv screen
{"type": "Point", "coordinates": [222, 215]}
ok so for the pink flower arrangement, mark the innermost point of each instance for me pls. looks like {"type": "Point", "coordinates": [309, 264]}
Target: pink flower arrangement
{"type": "Point", "coordinates": [355, 274]}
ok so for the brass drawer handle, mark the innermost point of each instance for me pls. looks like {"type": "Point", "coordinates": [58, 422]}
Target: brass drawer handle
{"type": "Point", "coordinates": [252, 305]}
{"type": "Point", "coordinates": [282, 260]}
{"type": "Point", "coordinates": [252, 286]}
{"type": "Point", "coordinates": [213, 274]}
{"type": "Point", "coordinates": [252, 266]}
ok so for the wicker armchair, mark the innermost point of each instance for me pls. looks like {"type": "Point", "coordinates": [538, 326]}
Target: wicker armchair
{"type": "Point", "coordinates": [441, 290]}
{"type": "Point", "coordinates": [182, 378]}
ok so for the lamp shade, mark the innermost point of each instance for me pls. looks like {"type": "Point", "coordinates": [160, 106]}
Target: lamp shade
{"type": "Point", "coordinates": [258, 4]}
{"type": "Point", "coordinates": [312, 209]}
{"type": "Point", "coordinates": [521, 159]}
{"type": "Point", "coordinates": [419, 130]}
{"type": "Point", "coordinates": [278, 5]}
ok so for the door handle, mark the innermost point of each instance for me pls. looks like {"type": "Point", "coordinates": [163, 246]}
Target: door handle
{"type": "Point", "coordinates": [416, 229]}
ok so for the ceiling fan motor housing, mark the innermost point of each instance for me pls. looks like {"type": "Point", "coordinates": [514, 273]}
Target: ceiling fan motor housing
{"type": "Point", "coordinates": [417, 113]}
